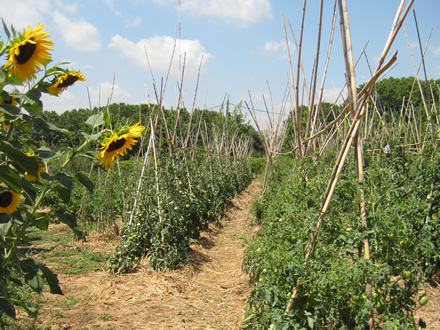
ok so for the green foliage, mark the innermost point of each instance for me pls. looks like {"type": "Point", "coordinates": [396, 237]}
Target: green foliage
{"type": "Point", "coordinates": [120, 114]}
{"type": "Point", "coordinates": [258, 165]}
{"type": "Point", "coordinates": [190, 195]}
{"type": "Point", "coordinates": [332, 284]}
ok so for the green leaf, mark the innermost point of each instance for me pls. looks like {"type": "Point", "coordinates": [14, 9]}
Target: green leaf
{"type": "Point", "coordinates": [31, 100]}
{"type": "Point", "coordinates": [21, 161]}
{"type": "Point", "coordinates": [85, 181]}
{"type": "Point", "coordinates": [2, 76]}
{"type": "Point", "coordinates": [29, 190]}
{"type": "Point", "coordinates": [32, 311]}
{"type": "Point", "coordinates": [67, 217]}
{"type": "Point", "coordinates": [5, 28]}
{"type": "Point", "coordinates": [5, 226]}
{"type": "Point", "coordinates": [107, 119]}
{"type": "Point", "coordinates": [88, 154]}
{"type": "Point", "coordinates": [41, 221]}
{"type": "Point", "coordinates": [49, 126]}
{"type": "Point", "coordinates": [92, 137]}
{"type": "Point", "coordinates": [63, 193]}
{"type": "Point", "coordinates": [47, 155]}
{"type": "Point", "coordinates": [5, 304]}
{"type": "Point", "coordinates": [96, 120]}
{"type": "Point", "coordinates": [32, 275]}
{"type": "Point", "coordinates": [64, 179]}
{"type": "Point", "coordinates": [9, 109]}
{"type": "Point", "coordinates": [10, 178]}
{"type": "Point", "coordinates": [34, 108]}
{"type": "Point", "coordinates": [52, 279]}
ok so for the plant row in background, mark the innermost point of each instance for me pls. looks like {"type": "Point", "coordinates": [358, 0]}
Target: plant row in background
{"type": "Point", "coordinates": [403, 217]}
{"type": "Point", "coordinates": [178, 200]}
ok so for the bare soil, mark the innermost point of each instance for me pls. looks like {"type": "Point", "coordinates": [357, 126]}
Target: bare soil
{"type": "Point", "coordinates": [208, 292]}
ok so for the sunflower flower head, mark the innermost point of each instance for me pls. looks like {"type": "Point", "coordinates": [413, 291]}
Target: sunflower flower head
{"type": "Point", "coordinates": [117, 144]}
{"type": "Point", "coordinates": [62, 81]}
{"type": "Point", "coordinates": [28, 52]}
{"type": "Point", "coordinates": [29, 177]}
{"type": "Point", "coordinates": [9, 201]}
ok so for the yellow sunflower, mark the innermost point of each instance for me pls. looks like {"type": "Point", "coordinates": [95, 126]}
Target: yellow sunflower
{"type": "Point", "coordinates": [28, 52]}
{"type": "Point", "coordinates": [29, 177]}
{"type": "Point", "coordinates": [61, 82]}
{"type": "Point", "coordinates": [9, 201]}
{"type": "Point", "coordinates": [118, 144]}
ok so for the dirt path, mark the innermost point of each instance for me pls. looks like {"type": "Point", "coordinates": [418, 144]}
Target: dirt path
{"type": "Point", "coordinates": [209, 292]}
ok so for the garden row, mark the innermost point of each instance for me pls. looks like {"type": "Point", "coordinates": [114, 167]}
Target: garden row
{"type": "Point", "coordinates": [402, 205]}
{"type": "Point", "coordinates": [176, 201]}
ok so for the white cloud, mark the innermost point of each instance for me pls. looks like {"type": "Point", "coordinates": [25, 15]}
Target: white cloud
{"type": "Point", "coordinates": [111, 5]}
{"type": "Point", "coordinates": [101, 95]}
{"type": "Point", "coordinates": [133, 22]}
{"type": "Point", "coordinates": [278, 48]}
{"type": "Point", "coordinates": [159, 50]}
{"type": "Point", "coordinates": [334, 95]}
{"type": "Point", "coordinates": [238, 12]}
{"type": "Point", "coordinates": [436, 51]}
{"type": "Point", "coordinates": [23, 13]}
{"type": "Point", "coordinates": [66, 101]}
{"type": "Point", "coordinates": [70, 7]}
{"type": "Point", "coordinates": [80, 34]}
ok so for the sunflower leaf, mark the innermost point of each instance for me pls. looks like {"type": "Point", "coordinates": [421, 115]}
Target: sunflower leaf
{"type": "Point", "coordinates": [2, 74]}
{"type": "Point", "coordinates": [29, 190]}
{"type": "Point", "coordinates": [46, 154]}
{"type": "Point", "coordinates": [21, 161]}
{"type": "Point", "coordinates": [52, 127]}
{"type": "Point", "coordinates": [52, 279]}
{"type": "Point", "coordinates": [34, 108]}
{"type": "Point", "coordinates": [96, 120]}
{"type": "Point", "coordinates": [67, 217]}
{"type": "Point", "coordinates": [64, 179]}
{"type": "Point", "coordinates": [4, 227]}
{"type": "Point", "coordinates": [8, 34]}
{"type": "Point", "coordinates": [92, 137]}
{"type": "Point", "coordinates": [14, 33]}
{"type": "Point", "coordinates": [10, 109]}
{"type": "Point", "coordinates": [41, 221]}
{"type": "Point", "coordinates": [63, 193]}
{"type": "Point", "coordinates": [32, 275]}
{"type": "Point", "coordinates": [5, 304]}
{"type": "Point", "coordinates": [85, 181]}
{"type": "Point", "coordinates": [31, 100]}
{"type": "Point", "coordinates": [11, 178]}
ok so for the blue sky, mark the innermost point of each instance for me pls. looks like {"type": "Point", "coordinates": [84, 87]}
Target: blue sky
{"type": "Point", "coordinates": [241, 42]}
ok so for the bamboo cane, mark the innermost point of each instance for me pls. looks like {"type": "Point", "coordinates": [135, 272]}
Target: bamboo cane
{"type": "Point", "coordinates": [362, 96]}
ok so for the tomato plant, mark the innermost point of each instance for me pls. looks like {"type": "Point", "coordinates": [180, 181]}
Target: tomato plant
{"type": "Point", "coordinates": [332, 289]}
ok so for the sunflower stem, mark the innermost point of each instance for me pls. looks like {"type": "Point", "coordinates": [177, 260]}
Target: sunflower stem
{"type": "Point", "coordinates": [75, 151]}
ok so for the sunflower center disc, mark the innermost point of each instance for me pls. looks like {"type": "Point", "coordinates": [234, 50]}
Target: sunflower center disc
{"type": "Point", "coordinates": [115, 145]}
{"type": "Point", "coordinates": [5, 199]}
{"type": "Point", "coordinates": [26, 52]}
{"type": "Point", "coordinates": [70, 80]}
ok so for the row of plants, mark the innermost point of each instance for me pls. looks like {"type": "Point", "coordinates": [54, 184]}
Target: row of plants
{"type": "Point", "coordinates": [178, 200]}
{"type": "Point", "coordinates": [402, 194]}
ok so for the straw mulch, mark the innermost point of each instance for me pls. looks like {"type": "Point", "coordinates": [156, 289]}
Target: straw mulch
{"type": "Point", "coordinates": [208, 292]}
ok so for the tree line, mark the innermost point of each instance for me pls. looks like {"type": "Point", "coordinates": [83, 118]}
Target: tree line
{"type": "Point", "coordinates": [121, 114]}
